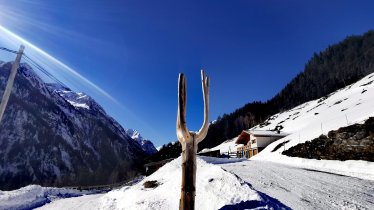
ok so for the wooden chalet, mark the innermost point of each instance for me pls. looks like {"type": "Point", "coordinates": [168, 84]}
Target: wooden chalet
{"type": "Point", "coordinates": [256, 140]}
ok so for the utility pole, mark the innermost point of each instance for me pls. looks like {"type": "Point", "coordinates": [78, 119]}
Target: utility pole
{"type": "Point", "coordinates": [9, 85]}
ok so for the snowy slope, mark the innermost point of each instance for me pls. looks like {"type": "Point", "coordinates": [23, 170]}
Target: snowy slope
{"type": "Point", "coordinates": [34, 196]}
{"type": "Point", "coordinates": [216, 188]}
{"type": "Point", "coordinates": [352, 104]}
{"type": "Point", "coordinates": [223, 188]}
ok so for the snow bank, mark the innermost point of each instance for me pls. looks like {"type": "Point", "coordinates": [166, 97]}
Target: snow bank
{"type": "Point", "coordinates": [33, 196]}
{"type": "Point", "coordinates": [354, 168]}
{"type": "Point", "coordinates": [215, 188]}
{"type": "Point", "coordinates": [85, 202]}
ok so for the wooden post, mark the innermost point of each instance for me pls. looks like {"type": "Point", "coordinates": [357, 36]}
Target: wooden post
{"type": "Point", "coordinates": [189, 141]}
{"type": "Point", "coordinates": [188, 192]}
{"type": "Point", "coordinates": [9, 85]}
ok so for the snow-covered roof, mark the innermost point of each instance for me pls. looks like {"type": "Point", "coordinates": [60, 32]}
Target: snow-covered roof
{"type": "Point", "coordinates": [206, 150]}
{"type": "Point", "coordinates": [266, 133]}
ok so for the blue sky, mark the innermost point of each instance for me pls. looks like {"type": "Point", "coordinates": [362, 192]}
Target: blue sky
{"type": "Point", "coordinates": [134, 50]}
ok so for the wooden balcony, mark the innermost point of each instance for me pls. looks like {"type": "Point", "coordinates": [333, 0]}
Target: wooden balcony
{"type": "Point", "coordinates": [244, 151]}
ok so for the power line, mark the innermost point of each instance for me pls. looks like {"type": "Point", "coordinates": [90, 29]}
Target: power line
{"type": "Point", "coordinates": [43, 70]}
{"type": "Point", "coordinates": [36, 65]}
{"type": "Point", "coordinates": [8, 50]}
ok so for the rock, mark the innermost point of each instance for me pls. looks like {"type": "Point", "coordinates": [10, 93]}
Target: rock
{"type": "Point", "coordinates": [360, 135]}
{"type": "Point", "coordinates": [355, 142]}
{"type": "Point", "coordinates": [370, 122]}
{"type": "Point", "coordinates": [366, 142]}
{"type": "Point", "coordinates": [332, 134]}
{"type": "Point", "coordinates": [322, 137]}
{"type": "Point", "coordinates": [342, 135]}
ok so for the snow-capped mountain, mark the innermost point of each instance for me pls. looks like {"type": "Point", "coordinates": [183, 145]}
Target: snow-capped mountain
{"type": "Point", "coordinates": [51, 135]}
{"type": "Point", "coordinates": [146, 145]}
{"type": "Point", "coordinates": [78, 100]}
{"type": "Point", "coordinates": [83, 101]}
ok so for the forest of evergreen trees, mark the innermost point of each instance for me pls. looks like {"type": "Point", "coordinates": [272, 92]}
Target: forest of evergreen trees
{"type": "Point", "coordinates": [337, 66]}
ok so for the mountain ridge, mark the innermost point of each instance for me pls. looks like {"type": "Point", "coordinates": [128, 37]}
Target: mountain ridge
{"type": "Point", "coordinates": [53, 136]}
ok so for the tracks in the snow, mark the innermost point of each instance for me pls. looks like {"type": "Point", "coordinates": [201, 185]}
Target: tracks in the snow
{"type": "Point", "coordinates": [305, 189]}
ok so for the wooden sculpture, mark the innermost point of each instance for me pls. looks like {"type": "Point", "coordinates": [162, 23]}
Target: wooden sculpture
{"type": "Point", "coordinates": [189, 141]}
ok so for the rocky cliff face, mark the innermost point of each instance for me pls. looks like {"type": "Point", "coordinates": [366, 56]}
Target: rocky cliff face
{"type": "Point", "coordinates": [51, 135]}
{"type": "Point", "coordinates": [354, 142]}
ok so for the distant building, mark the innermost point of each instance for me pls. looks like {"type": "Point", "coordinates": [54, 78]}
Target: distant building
{"type": "Point", "coordinates": [210, 153]}
{"type": "Point", "coordinates": [256, 140]}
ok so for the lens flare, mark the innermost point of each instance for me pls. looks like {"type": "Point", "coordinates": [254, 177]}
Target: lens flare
{"type": "Point", "coordinates": [58, 62]}
{"type": "Point", "coordinates": [33, 16]}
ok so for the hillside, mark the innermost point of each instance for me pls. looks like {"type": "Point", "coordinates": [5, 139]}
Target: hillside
{"type": "Point", "coordinates": [341, 111]}
{"type": "Point", "coordinates": [348, 106]}
{"type": "Point", "coordinates": [337, 66]}
{"type": "Point", "coordinates": [353, 142]}
{"type": "Point", "coordinates": [53, 136]}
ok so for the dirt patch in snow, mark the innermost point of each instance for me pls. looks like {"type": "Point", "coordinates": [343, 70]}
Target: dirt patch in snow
{"type": "Point", "coordinates": [151, 184]}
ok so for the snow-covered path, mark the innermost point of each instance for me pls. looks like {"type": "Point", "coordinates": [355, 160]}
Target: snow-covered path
{"type": "Point", "coordinates": [304, 188]}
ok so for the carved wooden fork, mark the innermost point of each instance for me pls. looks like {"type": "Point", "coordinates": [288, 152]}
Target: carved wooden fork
{"type": "Point", "coordinates": [189, 141]}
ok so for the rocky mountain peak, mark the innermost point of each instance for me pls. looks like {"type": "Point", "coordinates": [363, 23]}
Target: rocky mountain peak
{"type": "Point", "coordinates": [51, 135]}
{"type": "Point", "coordinates": [146, 145]}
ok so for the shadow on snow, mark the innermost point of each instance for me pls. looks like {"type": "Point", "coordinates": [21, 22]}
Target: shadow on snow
{"type": "Point", "coordinates": [267, 203]}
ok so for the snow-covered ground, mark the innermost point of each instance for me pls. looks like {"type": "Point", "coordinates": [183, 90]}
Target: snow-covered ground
{"type": "Point", "coordinates": [33, 196]}
{"type": "Point", "coordinates": [216, 189]}
{"type": "Point", "coordinates": [301, 188]}
{"type": "Point", "coordinates": [352, 104]}
{"type": "Point", "coordinates": [85, 202]}
{"type": "Point", "coordinates": [220, 184]}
